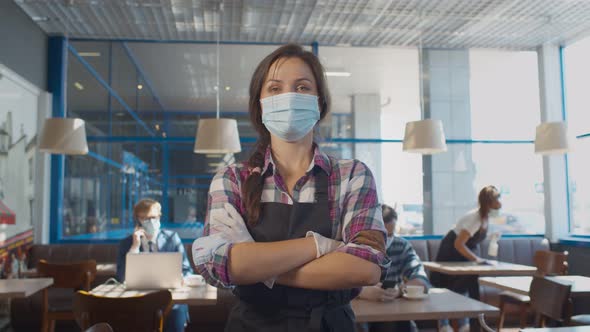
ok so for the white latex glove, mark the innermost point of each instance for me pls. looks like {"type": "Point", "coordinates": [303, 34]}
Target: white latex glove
{"type": "Point", "coordinates": [323, 244]}
{"type": "Point", "coordinates": [376, 293]}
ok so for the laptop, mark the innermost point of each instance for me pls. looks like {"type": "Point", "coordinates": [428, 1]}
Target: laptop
{"type": "Point", "coordinates": [153, 270]}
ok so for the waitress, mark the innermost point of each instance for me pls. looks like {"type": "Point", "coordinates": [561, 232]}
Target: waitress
{"type": "Point", "coordinates": [296, 231]}
{"type": "Point", "coordinates": [459, 245]}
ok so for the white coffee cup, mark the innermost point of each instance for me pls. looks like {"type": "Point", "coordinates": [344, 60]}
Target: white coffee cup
{"type": "Point", "coordinates": [413, 290]}
{"type": "Point", "coordinates": [194, 280]}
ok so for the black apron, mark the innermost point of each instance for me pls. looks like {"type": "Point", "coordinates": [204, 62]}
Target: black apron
{"type": "Point", "coordinates": [447, 253]}
{"type": "Point", "coordinates": [284, 308]}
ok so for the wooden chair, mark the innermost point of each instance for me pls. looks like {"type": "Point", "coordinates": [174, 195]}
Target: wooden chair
{"type": "Point", "coordinates": [138, 313]}
{"type": "Point", "coordinates": [551, 262]}
{"type": "Point", "coordinates": [550, 299]}
{"type": "Point", "coordinates": [74, 276]}
{"type": "Point", "coordinates": [547, 263]}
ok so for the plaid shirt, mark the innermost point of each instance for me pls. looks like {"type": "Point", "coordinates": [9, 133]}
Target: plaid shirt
{"type": "Point", "coordinates": [405, 263]}
{"type": "Point", "coordinates": [354, 207]}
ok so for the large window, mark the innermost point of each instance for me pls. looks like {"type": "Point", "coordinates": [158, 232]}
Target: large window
{"type": "Point", "coordinates": [379, 96]}
{"type": "Point", "coordinates": [505, 105]}
{"type": "Point", "coordinates": [141, 131]}
{"type": "Point", "coordinates": [577, 70]}
{"type": "Point", "coordinates": [489, 104]}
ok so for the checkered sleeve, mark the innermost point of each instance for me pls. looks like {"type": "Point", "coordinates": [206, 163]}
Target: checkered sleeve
{"type": "Point", "coordinates": [412, 267]}
{"type": "Point", "coordinates": [362, 225]}
{"type": "Point", "coordinates": [211, 251]}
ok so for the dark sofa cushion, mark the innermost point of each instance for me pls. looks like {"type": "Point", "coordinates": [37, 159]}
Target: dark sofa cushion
{"type": "Point", "coordinates": [421, 248]}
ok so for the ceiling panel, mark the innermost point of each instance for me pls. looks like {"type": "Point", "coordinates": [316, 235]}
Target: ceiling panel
{"type": "Point", "coordinates": [507, 24]}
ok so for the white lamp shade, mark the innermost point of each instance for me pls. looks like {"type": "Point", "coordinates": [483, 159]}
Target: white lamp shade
{"type": "Point", "coordinates": [551, 138]}
{"type": "Point", "coordinates": [425, 137]}
{"type": "Point", "coordinates": [63, 136]}
{"type": "Point", "coordinates": [217, 136]}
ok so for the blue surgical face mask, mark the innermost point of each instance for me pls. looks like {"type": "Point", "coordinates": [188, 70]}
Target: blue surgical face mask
{"type": "Point", "coordinates": [290, 116]}
{"type": "Point", "coordinates": [151, 226]}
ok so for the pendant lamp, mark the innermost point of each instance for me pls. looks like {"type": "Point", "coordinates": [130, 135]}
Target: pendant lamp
{"type": "Point", "coordinates": [64, 135]}
{"type": "Point", "coordinates": [425, 136]}
{"type": "Point", "coordinates": [217, 135]}
{"type": "Point", "coordinates": [551, 138]}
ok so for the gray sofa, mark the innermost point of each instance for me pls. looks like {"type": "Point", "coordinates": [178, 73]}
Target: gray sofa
{"type": "Point", "coordinates": [26, 313]}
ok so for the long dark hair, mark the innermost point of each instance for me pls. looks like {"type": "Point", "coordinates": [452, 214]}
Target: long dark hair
{"type": "Point", "coordinates": [486, 197]}
{"type": "Point", "coordinates": [252, 187]}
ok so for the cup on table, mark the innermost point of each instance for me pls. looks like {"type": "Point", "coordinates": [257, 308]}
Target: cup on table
{"type": "Point", "coordinates": [413, 290]}
{"type": "Point", "coordinates": [194, 280]}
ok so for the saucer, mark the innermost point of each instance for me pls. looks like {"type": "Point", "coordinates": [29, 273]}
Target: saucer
{"type": "Point", "coordinates": [419, 297]}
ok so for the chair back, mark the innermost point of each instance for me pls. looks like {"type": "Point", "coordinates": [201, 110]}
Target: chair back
{"type": "Point", "coordinates": [551, 262]}
{"type": "Point", "coordinates": [550, 299]}
{"type": "Point", "coordinates": [79, 275]}
{"type": "Point", "coordinates": [137, 313]}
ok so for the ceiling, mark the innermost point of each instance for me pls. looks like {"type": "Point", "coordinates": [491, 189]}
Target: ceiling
{"type": "Point", "coordinates": [506, 24]}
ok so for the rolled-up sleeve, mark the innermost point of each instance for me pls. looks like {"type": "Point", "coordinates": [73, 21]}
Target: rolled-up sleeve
{"type": "Point", "coordinates": [211, 252]}
{"type": "Point", "coordinates": [363, 231]}
{"type": "Point", "coordinates": [412, 267]}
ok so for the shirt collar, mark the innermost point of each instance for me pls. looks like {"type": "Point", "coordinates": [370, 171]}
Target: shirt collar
{"type": "Point", "coordinates": [320, 159]}
{"type": "Point", "coordinates": [154, 239]}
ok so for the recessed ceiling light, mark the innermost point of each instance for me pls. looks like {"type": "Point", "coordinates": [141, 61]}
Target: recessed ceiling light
{"type": "Point", "coordinates": [338, 73]}
{"type": "Point", "coordinates": [157, 126]}
{"type": "Point", "coordinates": [120, 114]}
{"type": "Point", "coordinates": [89, 54]}
{"type": "Point", "coordinates": [227, 88]}
{"type": "Point", "coordinates": [40, 18]}
{"type": "Point", "coordinates": [78, 85]}
{"type": "Point", "coordinates": [139, 87]}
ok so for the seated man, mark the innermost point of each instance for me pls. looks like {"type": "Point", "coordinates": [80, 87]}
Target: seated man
{"type": "Point", "coordinates": [406, 268]}
{"type": "Point", "coordinates": [148, 237]}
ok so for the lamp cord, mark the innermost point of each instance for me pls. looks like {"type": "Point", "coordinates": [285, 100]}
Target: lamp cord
{"type": "Point", "coordinates": [420, 66]}
{"type": "Point", "coordinates": [217, 56]}
{"type": "Point", "coordinates": [69, 4]}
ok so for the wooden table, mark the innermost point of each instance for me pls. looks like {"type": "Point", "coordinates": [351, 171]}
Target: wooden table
{"type": "Point", "coordinates": [20, 288]}
{"type": "Point", "coordinates": [472, 268]}
{"type": "Point", "coordinates": [102, 270]}
{"type": "Point", "coordinates": [521, 285]}
{"type": "Point", "coordinates": [201, 295]}
{"type": "Point", "coordinates": [559, 329]}
{"type": "Point", "coordinates": [441, 303]}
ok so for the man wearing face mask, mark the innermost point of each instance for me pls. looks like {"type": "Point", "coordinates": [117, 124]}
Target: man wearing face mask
{"type": "Point", "coordinates": [149, 237]}
{"type": "Point", "coordinates": [406, 268]}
